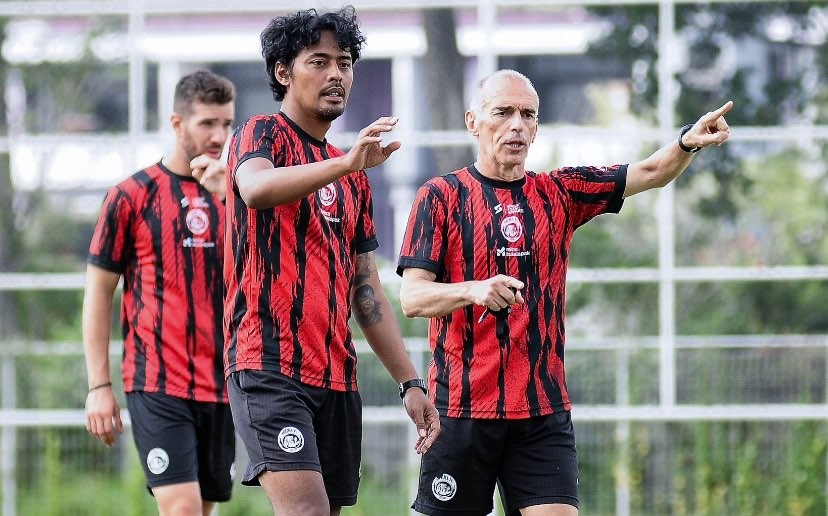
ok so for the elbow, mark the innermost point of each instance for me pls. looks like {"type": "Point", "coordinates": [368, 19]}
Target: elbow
{"type": "Point", "coordinates": [409, 308]}
{"type": "Point", "coordinates": [254, 198]}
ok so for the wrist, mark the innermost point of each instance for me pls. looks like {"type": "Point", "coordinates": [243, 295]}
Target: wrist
{"type": "Point", "coordinates": [103, 385]}
{"type": "Point", "coordinates": [681, 144]}
{"type": "Point", "coordinates": [417, 383]}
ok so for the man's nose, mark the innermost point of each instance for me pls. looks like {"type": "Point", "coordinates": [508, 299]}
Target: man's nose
{"type": "Point", "coordinates": [516, 122]}
{"type": "Point", "coordinates": [220, 134]}
{"type": "Point", "coordinates": [335, 72]}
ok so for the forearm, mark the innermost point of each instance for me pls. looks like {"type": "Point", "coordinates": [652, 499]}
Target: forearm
{"type": "Point", "coordinates": [420, 298]}
{"type": "Point", "coordinates": [658, 170]}
{"type": "Point", "coordinates": [97, 314]}
{"type": "Point", "coordinates": [263, 188]}
{"type": "Point", "coordinates": [386, 341]}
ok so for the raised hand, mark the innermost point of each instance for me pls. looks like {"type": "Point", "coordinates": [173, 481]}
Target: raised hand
{"type": "Point", "coordinates": [210, 173]}
{"type": "Point", "coordinates": [711, 129]}
{"type": "Point", "coordinates": [368, 152]}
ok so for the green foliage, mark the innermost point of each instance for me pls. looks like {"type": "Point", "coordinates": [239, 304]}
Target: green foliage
{"type": "Point", "coordinates": [57, 493]}
{"type": "Point", "coordinates": [776, 94]}
{"type": "Point", "coordinates": [730, 468]}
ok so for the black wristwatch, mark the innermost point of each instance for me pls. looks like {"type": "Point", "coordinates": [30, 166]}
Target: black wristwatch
{"type": "Point", "coordinates": [684, 147]}
{"type": "Point", "coordinates": [416, 382]}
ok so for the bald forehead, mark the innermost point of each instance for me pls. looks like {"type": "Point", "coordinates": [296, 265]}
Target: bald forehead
{"type": "Point", "coordinates": [510, 88]}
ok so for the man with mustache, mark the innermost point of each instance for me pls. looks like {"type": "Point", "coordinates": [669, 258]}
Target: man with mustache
{"type": "Point", "coordinates": [485, 256]}
{"type": "Point", "coordinates": [162, 229]}
{"type": "Point", "coordinates": [300, 247]}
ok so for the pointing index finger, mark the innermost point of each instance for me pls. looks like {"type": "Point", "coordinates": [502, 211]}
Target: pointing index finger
{"type": "Point", "coordinates": [724, 109]}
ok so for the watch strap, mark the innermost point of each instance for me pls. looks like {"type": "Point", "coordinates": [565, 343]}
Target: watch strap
{"type": "Point", "coordinates": [681, 144]}
{"type": "Point", "coordinates": [416, 382]}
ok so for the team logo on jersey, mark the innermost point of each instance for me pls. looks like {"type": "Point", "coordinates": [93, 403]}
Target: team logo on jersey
{"type": "Point", "coordinates": [444, 488]}
{"type": "Point", "coordinates": [512, 228]}
{"type": "Point", "coordinates": [197, 221]}
{"type": "Point", "coordinates": [327, 195]}
{"type": "Point", "coordinates": [158, 461]}
{"type": "Point", "coordinates": [291, 439]}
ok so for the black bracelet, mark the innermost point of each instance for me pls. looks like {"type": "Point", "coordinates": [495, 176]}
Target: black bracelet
{"type": "Point", "coordinates": [101, 386]}
{"type": "Point", "coordinates": [684, 147]}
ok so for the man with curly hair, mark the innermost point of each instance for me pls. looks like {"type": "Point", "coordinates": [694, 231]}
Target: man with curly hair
{"type": "Point", "coordinates": [299, 253]}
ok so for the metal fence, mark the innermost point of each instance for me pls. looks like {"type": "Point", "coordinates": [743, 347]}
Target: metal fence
{"type": "Point", "coordinates": [755, 392]}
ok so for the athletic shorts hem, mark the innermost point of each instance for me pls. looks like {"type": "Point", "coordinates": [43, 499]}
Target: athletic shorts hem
{"type": "Point", "coordinates": [434, 511]}
{"type": "Point", "coordinates": [251, 478]}
{"type": "Point", "coordinates": [217, 499]}
{"type": "Point", "coordinates": [343, 502]}
{"type": "Point", "coordinates": [541, 500]}
{"type": "Point", "coordinates": [168, 481]}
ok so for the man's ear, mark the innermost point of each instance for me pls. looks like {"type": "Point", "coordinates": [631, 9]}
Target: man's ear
{"type": "Point", "coordinates": [282, 73]}
{"type": "Point", "coordinates": [176, 121]}
{"type": "Point", "coordinates": [471, 123]}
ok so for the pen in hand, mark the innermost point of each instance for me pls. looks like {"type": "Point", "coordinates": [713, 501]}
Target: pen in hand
{"type": "Point", "coordinates": [486, 311]}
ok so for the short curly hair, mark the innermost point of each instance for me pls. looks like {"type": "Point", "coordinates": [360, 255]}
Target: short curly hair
{"type": "Point", "coordinates": [286, 36]}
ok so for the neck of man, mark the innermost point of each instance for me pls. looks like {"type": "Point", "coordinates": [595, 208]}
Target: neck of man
{"type": "Point", "coordinates": [307, 121]}
{"type": "Point", "coordinates": [499, 171]}
{"type": "Point", "coordinates": [178, 163]}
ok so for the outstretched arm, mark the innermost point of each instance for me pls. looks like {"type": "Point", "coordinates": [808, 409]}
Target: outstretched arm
{"type": "Point", "coordinates": [376, 319]}
{"type": "Point", "coordinates": [669, 162]}
{"type": "Point", "coordinates": [263, 186]}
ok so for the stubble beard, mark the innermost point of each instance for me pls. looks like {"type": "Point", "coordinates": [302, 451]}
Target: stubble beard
{"type": "Point", "coordinates": [330, 114]}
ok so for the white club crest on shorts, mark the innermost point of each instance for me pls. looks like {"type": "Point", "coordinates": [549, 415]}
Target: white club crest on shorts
{"type": "Point", "coordinates": [444, 488]}
{"type": "Point", "coordinates": [158, 461]}
{"type": "Point", "coordinates": [233, 471]}
{"type": "Point", "coordinates": [197, 221]}
{"type": "Point", "coordinates": [291, 439]}
{"type": "Point", "coordinates": [511, 228]}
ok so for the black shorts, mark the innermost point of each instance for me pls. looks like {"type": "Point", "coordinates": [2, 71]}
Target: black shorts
{"type": "Point", "coordinates": [289, 426]}
{"type": "Point", "coordinates": [182, 441]}
{"type": "Point", "coordinates": [533, 461]}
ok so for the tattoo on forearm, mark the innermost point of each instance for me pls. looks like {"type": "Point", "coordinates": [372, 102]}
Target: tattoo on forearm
{"type": "Point", "coordinates": [363, 270]}
{"type": "Point", "coordinates": [366, 307]}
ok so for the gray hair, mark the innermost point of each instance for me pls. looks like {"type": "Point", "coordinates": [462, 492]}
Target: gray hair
{"type": "Point", "coordinates": [479, 96]}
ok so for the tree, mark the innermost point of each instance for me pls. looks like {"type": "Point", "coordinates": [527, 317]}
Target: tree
{"type": "Point", "coordinates": [775, 85]}
{"type": "Point", "coordinates": [444, 67]}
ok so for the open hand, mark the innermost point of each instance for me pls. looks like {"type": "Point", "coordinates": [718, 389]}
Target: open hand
{"type": "Point", "coordinates": [368, 152]}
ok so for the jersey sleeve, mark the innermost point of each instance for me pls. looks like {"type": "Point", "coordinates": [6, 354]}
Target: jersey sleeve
{"type": "Point", "coordinates": [424, 243]}
{"type": "Point", "coordinates": [256, 138]}
{"type": "Point", "coordinates": [592, 191]}
{"type": "Point", "coordinates": [112, 240]}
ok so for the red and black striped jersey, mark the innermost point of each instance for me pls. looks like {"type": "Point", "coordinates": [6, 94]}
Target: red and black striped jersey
{"type": "Point", "coordinates": [464, 226]}
{"type": "Point", "coordinates": [165, 234]}
{"type": "Point", "coordinates": [289, 270]}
